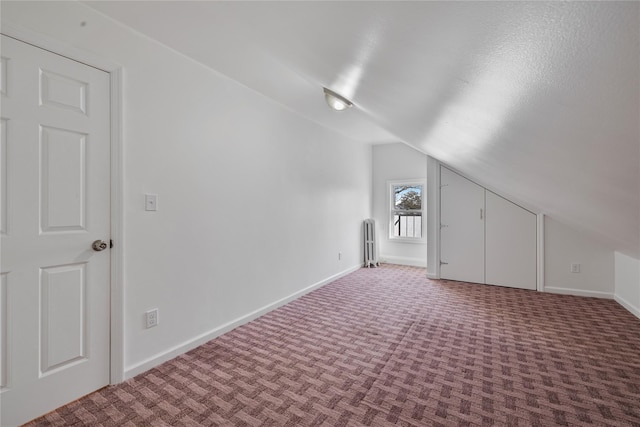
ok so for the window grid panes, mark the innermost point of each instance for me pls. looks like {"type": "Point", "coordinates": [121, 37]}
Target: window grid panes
{"type": "Point", "coordinates": [407, 208]}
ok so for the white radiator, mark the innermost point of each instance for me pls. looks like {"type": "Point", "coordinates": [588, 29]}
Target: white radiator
{"type": "Point", "coordinates": [370, 244]}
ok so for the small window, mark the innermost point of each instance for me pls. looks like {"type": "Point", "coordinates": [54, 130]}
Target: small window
{"type": "Point", "coordinates": [407, 205]}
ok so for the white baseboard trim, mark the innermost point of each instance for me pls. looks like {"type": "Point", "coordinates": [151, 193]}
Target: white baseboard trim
{"type": "Point", "coordinates": [578, 292]}
{"type": "Point", "coordinates": [626, 304]}
{"type": "Point", "coordinates": [188, 345]}
{"type": "Point", "coordinates": [414, 262]}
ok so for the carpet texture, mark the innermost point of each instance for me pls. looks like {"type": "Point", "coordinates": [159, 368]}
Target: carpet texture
{"type": "Point", "coordinates": [386, 346]}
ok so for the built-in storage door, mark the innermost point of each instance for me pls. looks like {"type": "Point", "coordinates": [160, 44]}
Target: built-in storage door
{"type": "Point", "coordinates": [485, 238]}
{"type": "Point", "coordinates": [510, 246]}
{"type": "Point", "coordinates": [462, 228]}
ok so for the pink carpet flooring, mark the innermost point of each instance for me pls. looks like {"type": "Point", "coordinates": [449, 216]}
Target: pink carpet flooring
{"type": "Point", "coordinates": [387, 346]}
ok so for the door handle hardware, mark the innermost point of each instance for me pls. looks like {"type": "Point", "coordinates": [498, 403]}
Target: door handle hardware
{"type": "Point", "coordinates": [444, 263]}
{"type": "Point", "coordinates": [99, 245]}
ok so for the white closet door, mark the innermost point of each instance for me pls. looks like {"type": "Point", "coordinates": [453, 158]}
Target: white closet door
{"type": "Point", "coordinates": [510, 244]}
{"type": "Point", "coordinates": [462, 228]}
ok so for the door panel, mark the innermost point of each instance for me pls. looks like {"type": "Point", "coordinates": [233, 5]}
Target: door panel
{"type": "Point", "coordinates": [62, 172]}
{"type": "Point", "coordinates": [54, 306]}
{"type": "Point", "coordinates": [462, 228]}
{"type": "Point", "coordinates": [63, 325]}
{"type": "Point", "coordinates": [3, 176]}
{"type": "Point", "coordinates": [4, 359]}
{"type": "Point", "coordinates": [511, 244]}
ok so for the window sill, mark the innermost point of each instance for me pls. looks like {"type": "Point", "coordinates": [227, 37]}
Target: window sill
{"type": "Point", "coordinates": [415, 241]}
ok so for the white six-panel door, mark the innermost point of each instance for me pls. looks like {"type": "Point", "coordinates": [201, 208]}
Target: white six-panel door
{"type": "Point", "coordinates": [55, 201]}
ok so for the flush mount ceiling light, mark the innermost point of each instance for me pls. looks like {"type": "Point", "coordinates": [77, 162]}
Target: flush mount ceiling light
{"type": "Point", "coordinates": [335, 101]}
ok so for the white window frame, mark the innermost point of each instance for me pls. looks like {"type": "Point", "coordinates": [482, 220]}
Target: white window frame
{"type": "Point", "coordinates": [392, 210]}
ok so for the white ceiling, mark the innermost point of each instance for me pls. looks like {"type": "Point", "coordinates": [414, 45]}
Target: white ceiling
{"type": "Point", "coordinates": [539, 101]}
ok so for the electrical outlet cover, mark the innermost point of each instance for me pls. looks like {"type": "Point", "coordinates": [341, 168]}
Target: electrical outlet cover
{"type": "Point", "coordinates": [151, 318]}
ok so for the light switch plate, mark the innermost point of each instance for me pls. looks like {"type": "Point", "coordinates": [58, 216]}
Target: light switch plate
{"type": "Point", "coordinates": [150, 202]}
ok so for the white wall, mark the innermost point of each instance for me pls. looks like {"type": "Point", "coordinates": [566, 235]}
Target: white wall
{"type": "Point", "coordinates": [565, 246]}
{"type": "Point", "coordinates": [254, 202]}
{"type": "Point", "coordinates": [627, 282]}
{"type": "Point", "coordinates": [396, 162]}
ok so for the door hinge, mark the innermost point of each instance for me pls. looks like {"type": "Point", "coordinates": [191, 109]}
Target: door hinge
{"type": "Point", "coordinates": [110, 244]}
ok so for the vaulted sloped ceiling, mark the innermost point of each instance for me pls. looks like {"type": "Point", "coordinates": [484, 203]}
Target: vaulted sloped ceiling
{"type": "Point", "coordinates": [539, 101]}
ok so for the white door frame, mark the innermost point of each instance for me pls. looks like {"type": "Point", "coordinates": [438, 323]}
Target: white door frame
{"type": "Point", "coordinates": [116, 374]}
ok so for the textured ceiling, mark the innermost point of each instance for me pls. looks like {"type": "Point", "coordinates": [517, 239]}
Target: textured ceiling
{"type": "Point", "coordinates": [539, 101]}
